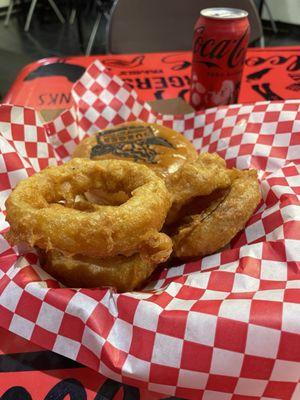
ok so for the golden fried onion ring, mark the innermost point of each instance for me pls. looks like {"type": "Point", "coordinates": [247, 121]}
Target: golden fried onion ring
{"type": "Point", "coordinates": [198, 178]}
{"type": "Point", "coordinates": [42, 210]}
{"type": "Point", "coordinates": [122, 273]}
{"type": "Point", "coordinates": [211, 230]}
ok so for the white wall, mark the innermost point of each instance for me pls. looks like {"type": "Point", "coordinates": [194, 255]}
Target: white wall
{"type": "Point", "coordinates": [4, 3]}
{"type": "Point", "coordinates": [284, 11]}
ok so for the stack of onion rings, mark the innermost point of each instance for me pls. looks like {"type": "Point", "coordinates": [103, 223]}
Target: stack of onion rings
{"type": "Point", "coordinates": [43, 212]}
{"type": "Point", "coordinates": [110, 222]}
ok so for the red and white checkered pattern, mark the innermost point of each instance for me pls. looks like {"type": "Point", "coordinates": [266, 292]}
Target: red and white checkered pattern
{"type": "Point", "coordinates": [224, 327]}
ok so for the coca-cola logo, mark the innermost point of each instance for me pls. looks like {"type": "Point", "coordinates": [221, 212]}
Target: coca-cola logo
{"type": "Point", "coordinates": [208, 50]}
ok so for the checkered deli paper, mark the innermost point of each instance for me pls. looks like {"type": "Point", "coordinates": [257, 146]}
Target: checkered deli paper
{"type": "Point", "coordinates": [224, 327]}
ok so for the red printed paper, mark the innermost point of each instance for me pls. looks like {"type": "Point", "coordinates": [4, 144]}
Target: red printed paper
{"type": "Point", "coordinates": [47, 83]}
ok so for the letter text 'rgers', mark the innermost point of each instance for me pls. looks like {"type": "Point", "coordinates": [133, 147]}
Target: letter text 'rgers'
{"type": "Point", "coordinates": [220, 43]}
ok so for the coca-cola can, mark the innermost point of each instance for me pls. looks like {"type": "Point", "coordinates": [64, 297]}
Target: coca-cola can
{"type": "Point", "coordinates": [220, 42]}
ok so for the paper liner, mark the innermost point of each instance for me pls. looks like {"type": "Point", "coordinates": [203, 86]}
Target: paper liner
{"type": "Point", "coordinates": [222, 327]}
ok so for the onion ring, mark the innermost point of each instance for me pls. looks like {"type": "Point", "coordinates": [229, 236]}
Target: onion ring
{"type": "Point", "coordinates": [122, 273]}
{"type": "Point", "coordinates": [42, 210]}
{"type": "Point", "coordinates": [211, 230]}
{"type": "Point", "coordinates": [198, 178]}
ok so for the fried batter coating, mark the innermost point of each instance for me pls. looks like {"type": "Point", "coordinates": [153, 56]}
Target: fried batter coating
{"type": "Point", "coordinates": [198, 178]}
{"type": "Point", "coordinates": [205, 233]}
{"type": "Point", "coordinates": [122, 273]}
{"type": "Point", "coordinates": [156, 247]}
{"type": "Point", "coordinates": [42, 209]}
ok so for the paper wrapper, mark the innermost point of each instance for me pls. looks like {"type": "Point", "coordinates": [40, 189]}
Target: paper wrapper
{"type": "Point", "coordinates": [223, 327]}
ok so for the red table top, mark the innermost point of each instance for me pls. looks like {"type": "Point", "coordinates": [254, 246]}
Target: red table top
{"type": "Point", "coordinates": [270, 74]}
{"type": "Point", "coordinates": [29, 372]}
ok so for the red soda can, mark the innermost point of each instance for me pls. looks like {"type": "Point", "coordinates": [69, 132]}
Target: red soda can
{"type": "Point", "coordinates": [220, 43]}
